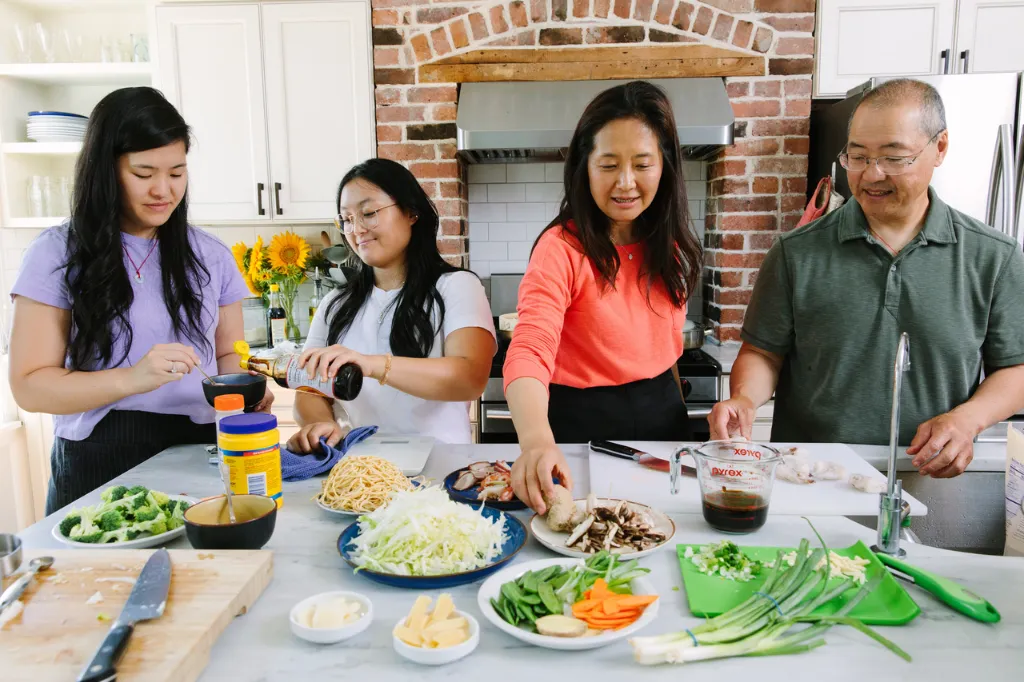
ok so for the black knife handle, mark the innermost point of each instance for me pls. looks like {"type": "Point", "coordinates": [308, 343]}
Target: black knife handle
{"type": "Point", "coordinates": [615, 449]}
{"type": "Point", "coordinates": [104, 664]}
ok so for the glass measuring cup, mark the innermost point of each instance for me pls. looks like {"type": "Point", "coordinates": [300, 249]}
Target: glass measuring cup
{"type": "Point", "coordinates": [735, 479]}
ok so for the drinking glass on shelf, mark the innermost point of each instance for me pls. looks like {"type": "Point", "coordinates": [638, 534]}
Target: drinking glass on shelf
{"type": "Point", "coordinates": [72, 45]}
{"type": "Point", "coordinates": [44, 38]}
{"type": "Point", "coordinates": [36, 197]}
{"type": "Point", "coordinates": [65, 196]}
{"type": "Point", "coordinates": [51, 197]}
{"type": "Point", "coordinates": [140, 47]}
{"type": "Point", "coordinates": [23, 43]}
{"type": "Point", "coordinates": [109, 51]}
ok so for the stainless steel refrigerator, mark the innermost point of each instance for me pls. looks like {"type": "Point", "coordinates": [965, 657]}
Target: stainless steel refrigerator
{"type": "Point", "coordinates": [983, 172]}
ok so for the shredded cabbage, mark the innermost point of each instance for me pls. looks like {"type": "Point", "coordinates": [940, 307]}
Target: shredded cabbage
{"type": "Point", "coordinates": [423, 532]}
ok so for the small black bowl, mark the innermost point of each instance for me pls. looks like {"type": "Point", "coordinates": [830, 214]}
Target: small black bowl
{"type": "Point", "coordinates": [252, 388]}
{"type": "Point", "coordinates": [208, 525]}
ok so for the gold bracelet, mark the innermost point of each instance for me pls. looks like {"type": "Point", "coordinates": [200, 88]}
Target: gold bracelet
{"type": "Point", "coordinates": [387, 370]}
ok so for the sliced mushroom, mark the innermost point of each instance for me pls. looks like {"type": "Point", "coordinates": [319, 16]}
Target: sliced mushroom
{"type": "Point", "coordinates": [579, 531]}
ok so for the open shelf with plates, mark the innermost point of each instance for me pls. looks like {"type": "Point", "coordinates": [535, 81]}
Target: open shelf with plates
{"type": "Point", "coordinates": [59, 56]}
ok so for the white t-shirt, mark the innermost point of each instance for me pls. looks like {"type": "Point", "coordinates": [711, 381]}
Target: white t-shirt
{"type": "Point", "coordinates": [395, 412]}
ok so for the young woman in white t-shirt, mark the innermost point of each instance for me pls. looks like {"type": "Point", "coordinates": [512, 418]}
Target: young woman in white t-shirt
{"type": "Point", "coordinates": [420, 329]}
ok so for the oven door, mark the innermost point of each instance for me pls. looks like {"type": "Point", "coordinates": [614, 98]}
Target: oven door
{"type": "Point", "coordinates": [496, 423]}
{"type": "Point", "coordinates": [700, 430]}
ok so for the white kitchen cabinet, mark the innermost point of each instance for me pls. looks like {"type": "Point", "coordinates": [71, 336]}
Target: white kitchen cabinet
{"type": "Point", "coordinates": [319, 101]}
{"type": "Point", "coordinates": [211, 69]}
{"type": "Point", "coordinates": [858, 39]}
{"type": "Point", "coordinates": [280, 100]}
{"type": "Point", "coordinates": [988, 36]}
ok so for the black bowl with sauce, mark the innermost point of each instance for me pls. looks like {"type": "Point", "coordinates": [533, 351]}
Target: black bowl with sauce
{"type": "Point", "coordinates": [208, 525]}
{"type": "Point", "coordinates": [251, 387]}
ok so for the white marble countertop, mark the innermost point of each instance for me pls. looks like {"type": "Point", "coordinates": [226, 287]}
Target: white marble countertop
{"type": "Point", "coordinates": [259, 645]}
{"type": "Point", "coordinates": [987, 456]}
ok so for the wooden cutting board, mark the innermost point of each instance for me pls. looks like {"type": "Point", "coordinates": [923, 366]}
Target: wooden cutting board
{"type": "Point", "coordinates": [58, 632]}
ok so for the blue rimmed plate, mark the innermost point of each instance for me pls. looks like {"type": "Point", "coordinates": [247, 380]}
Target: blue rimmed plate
{"type": "Point", "coordinates": [469, 496]}
{"type": "Point", "coordinates": [516, 538]}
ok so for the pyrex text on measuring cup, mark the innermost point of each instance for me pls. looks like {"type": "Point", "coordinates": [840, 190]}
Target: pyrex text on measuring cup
{"type": "Point", "coordinates": [735, 480]}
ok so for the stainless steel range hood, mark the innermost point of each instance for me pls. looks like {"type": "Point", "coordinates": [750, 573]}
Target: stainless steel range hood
{"type": "Point", "coordinates": [534, 121]}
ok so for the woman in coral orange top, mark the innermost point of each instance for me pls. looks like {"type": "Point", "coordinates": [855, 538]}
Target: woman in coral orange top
{"type": "Point", "coordinates": [603, 301]}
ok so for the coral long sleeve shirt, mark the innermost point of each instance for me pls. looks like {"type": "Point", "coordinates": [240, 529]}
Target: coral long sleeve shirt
{"type": "Point", "coordinates": [574, 332]}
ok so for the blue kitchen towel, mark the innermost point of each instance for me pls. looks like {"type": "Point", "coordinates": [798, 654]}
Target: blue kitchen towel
{"type": "Point", "coordinates": [295, 467]}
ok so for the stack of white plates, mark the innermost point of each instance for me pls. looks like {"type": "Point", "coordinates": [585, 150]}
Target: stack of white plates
{"type": "Point", "coordinates": [56, 126]}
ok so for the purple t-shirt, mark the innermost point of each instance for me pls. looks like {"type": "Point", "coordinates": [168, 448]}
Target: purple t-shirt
{"type": "Point", "coordinates": [41, 278]}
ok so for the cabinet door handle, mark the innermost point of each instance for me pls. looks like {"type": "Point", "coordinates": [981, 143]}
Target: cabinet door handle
{"type": "Point", "coordinates": [259, 199]}
{"type": "Point", "coordinates": [944, 58]}
{"type": "Point", "coordinates": [965, 56]}
{"type": "Point", "coordinates": [277, 197]}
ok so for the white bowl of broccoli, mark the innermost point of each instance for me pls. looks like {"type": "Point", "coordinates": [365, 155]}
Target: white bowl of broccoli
{"type": "Point", "coordinates": [125, 518]}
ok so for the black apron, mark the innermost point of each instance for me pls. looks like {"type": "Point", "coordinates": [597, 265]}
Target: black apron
{"type": "Point", "coordinates": [121, 441]}
{"type": "Point", "coordinates": [649, 409]}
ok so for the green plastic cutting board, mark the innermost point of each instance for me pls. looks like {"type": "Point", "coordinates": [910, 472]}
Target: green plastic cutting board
{"type": "Point", "coordinates": [888, 604]}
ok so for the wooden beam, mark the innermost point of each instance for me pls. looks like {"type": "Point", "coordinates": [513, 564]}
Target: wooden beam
{"type": "Point", "coordinates": [592, 63]}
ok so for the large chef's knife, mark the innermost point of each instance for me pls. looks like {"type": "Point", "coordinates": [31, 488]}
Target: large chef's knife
{"type": "Point", "coordinates": [642, 458]}
{"type": "Point", "coordinates": [146, 602]}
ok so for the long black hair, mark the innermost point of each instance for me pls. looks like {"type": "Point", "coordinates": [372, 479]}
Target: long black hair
{"type": "Point", "coordinates": [413, 330]}
{"type": "Point", "coordinates": [673, 254]}
{"type": "Point", "coordinates": [125, 121]}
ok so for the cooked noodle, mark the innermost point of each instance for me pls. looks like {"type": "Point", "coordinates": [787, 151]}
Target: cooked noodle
{"type": "Point", "coordinates": [362, 484]}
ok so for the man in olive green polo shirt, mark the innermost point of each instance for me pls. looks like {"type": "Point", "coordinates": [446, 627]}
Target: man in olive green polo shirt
{"type": "Point", "coordinates": [833, 297]}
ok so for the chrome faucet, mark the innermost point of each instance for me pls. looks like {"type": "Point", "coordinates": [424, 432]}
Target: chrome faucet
{"type": "Point", "coordinates": [890, 505]}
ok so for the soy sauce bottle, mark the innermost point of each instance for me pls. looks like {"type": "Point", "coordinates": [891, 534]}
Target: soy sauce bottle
{"type": "Point", "coordinates": [285, 370]}
{"type": "Point", "coordinates": [277, 318]}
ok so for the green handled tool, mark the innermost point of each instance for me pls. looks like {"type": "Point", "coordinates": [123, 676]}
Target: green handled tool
{"type": "Point", "coordinates": [955, 595]}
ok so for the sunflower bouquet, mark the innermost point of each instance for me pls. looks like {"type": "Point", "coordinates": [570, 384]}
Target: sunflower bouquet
{"type": "Point", "coordinates": [282, 263]}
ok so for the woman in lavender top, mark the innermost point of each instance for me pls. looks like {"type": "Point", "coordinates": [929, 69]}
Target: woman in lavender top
{"type": "Point", "coordinates": [114, 309]}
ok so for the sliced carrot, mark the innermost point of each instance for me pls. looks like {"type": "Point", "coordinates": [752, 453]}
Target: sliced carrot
{"type": "Point", "coordinates": [609, 607]}
{"type": "Point", "coordinates": [635, 601]}
{"type": "Point", "coordinates": [600, 590]}
{"type": "Point", "coordinates": [586, 605]}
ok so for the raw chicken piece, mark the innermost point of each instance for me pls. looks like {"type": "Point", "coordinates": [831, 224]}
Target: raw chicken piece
{"type": "Point", "coordinates": [829, 471]}
{"type": "Point", "coordinates": [867, 484]}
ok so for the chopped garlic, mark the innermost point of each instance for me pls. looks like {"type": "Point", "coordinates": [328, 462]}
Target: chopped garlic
{"type": "Point", "coordinates": [56, 579]}
{"type": "Point", "coordinates": [97, 598]}
{"type": "Point", "coordinates": [119, 579]}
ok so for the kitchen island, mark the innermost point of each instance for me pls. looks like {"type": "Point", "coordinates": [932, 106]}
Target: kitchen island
{"type": "Point", "coordinates": [260, 646]}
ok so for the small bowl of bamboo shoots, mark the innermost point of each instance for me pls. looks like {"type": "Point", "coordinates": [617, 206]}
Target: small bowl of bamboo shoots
{"type": "Point", "coordinates": [438, 637]}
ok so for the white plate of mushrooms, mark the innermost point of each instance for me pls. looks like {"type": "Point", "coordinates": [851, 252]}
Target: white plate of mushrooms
{"type": "Point", "coordinates": [629, 529]}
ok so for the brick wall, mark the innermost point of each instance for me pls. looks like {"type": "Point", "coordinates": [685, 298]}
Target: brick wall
{"type": "Point", "coordinates": [756, 188]}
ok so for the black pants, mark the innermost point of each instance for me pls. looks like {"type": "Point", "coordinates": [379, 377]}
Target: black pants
{"type": "Point", "coordinates": [121, 440]}
{"type": "Point", "coordinates": [649, 409]}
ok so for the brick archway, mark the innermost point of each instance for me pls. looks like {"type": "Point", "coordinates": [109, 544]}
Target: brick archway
{"type": "Point", "coordinates": [755, 189]}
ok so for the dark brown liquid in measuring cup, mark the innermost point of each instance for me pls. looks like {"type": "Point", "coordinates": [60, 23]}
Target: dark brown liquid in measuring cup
{"type": "Point", "coordinates": [735, 512]}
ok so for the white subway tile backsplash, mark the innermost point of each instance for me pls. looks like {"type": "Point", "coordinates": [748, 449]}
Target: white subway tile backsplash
{"type": "Point", "coordinates": [525, 172]}
{"type": "Point", "coordinates": [507, 232]}
{"type": "Point", "coordinates": [486, 172]}
{"type": "Point", "coordinates": [548, 191]}
{"type": "Point", "coordinates": [488, 251]}
{"type": "Point", "coordinates": [478, 194]}
{"type": "Point", "coordinates": [519, 250]}
{"type": "Point", "coordinates": [511, 204]}
{"type": "Point", "coordinates": [506, 193]}
{"type": "Point", "coordinates": [533, 230]}
{"type": "Point", "coordinates": [527, 212]}
{"type": "Point", "coordinates": [488, 213]}
{"type": "Point", "coordinates": [478, 232]}
{"type": "Point", "coordinates": [508, 267]}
